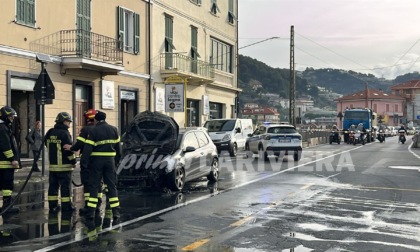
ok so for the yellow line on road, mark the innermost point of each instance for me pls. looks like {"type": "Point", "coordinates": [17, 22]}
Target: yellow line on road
{"type": "Point", "coordinates": [242, 221]}
{"type": "Point", "coordinates": [306, 186]}
{"type": "Point", "coordinates": [195, 245]}
{"type": "Point", "coordinates": [238, 223]}
{"type": "Point", "coordinates": [389, 188]}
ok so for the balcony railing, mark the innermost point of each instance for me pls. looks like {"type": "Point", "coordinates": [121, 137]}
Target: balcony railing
{"type": "Point", "coordinates": [175, 62]}
{"type": "Point", "coordinates": [80, 44]}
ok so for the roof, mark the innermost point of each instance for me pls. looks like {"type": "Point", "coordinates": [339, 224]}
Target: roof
{"type": "Point", "coordinates": [260, 111]}
{"type": "Point", "coordinates": [371, 94]}
{"type": "Point", "coordinates": [268, 124]}
{"type": "Point", "coordinates": [413, 84]}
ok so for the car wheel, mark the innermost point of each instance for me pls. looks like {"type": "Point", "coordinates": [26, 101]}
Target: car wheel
{"type": "Point", "coordinates": [176, 179]}
{"type": "Point", "coordinates": [233, 150]}
{"type": "Point", "coordinates": [214, 171]}
{"type": "Point", "coordinates": [262, 154]}
{"type": "Point", "coordinates": [297, 155]}
{"type": "Point", "coordinates": [247, 146]}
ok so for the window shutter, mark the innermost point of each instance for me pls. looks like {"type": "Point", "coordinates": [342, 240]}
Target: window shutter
{"type": "Point", "coordinates": [20, 9]}
{"type": "Point", "coordinates": [121, 28]}
{"type": "Point", "coordinates": [136, 33]}
{"type": "Point", "coordinates": [30, 15]}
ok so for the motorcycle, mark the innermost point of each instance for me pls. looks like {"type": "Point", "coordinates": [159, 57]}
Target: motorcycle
{"type": "Point", "coordinates": [381, 136]}
{"type": "Point", "coordinates": [401, 137]}
{"type": "Point", "coordinates": [359, 137]}
{"type": "Point", "coordinates": [335, 137]}
{"type": "Point", "coordinates": [351, 137]}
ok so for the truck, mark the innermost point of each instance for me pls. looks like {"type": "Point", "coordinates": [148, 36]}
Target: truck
{"type": "Point", "coordinates": [355, 116]}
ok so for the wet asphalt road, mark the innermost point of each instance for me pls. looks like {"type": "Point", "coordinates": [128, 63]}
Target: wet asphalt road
{"type": "Point", "coordinates": [353, 198]}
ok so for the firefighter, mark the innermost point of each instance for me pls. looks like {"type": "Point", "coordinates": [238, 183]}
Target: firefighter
{"type": "Point", "coordinates": [9, 157]}
{"type": "Point", "coordinates": [102, 151]}
{"type": "Point", "coordinates": [61, 164]}
{"type": "Point", "coordinates": [78, 146]}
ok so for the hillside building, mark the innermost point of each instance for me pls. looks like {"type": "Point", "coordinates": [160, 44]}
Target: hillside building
{"type": "Point", "coordinates": [410, 92]}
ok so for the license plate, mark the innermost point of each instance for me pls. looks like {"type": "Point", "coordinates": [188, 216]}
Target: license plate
{"type": "Point", "coordinates": [284, 140]}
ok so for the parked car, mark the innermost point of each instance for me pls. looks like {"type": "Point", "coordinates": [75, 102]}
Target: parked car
{"type": "Point", "coordinates": [268, 139]}
{"type": "Point", "coordinates": [157, 153]}
{"type": "Point", "coordinates": [229, 134]}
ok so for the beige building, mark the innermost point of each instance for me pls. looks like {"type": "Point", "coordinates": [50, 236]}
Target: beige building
{"type": "Point", "coordinates": [194, 60]}
{"type": "Point", "coordinates": [122, 57]}
{"type": "Point", "coordinates": [96, 56]}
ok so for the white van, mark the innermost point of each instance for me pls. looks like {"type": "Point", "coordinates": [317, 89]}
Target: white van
{"type": "Point", "coordinates": [229, 134]}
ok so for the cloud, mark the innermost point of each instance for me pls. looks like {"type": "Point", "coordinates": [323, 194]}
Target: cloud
{"type": "Point", "coordinates": [349, 34]}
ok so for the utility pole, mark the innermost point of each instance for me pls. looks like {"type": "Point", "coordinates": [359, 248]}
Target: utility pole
{"type": "Point", "coordinates": [292, 94]}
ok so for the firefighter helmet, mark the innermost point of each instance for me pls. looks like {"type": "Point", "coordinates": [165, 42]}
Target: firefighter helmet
{"type": "Point", "coordinates": [63, 116]}
{"type": "Point", "coordinates": [90, 114]}
{"type": "Point", "coordinates": [5, 112]}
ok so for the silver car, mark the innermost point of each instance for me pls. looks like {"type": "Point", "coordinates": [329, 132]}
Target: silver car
{"type": "Point", "coordinates": [157, 153]}
{"type": "Point", "coordinates": [275, 139]}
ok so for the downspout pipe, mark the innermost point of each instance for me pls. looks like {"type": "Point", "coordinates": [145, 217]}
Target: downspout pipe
{"type": "Point", "coordinates": [149, 104]}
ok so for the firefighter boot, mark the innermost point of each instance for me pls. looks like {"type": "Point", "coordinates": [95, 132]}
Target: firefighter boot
{"type": "Point", "coordinates": [8, 207]}
{"type": "Point", "coordinates": [116, 216]}
{"type": "Point", "coordinates": [107, 218]}
{"type": "Point", "coordinates": [90, 224]}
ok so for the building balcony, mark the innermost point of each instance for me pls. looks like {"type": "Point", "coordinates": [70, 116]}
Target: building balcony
{"type": "Point", "coordinates": [81, 49]}
{"type": "Point", "coordinates": [195, 71]}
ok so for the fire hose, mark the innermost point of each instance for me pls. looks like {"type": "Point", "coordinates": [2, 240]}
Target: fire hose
{"type": "Point", "coordinates": [4, 210]}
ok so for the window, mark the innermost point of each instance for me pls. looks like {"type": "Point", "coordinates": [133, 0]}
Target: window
{"type": "Point", "coordinates": [190, 140]}
{"type": "Point", "coordinates": [214, 8]}
{"type": "Point", "coordinates": [231, 16]}
{"type": "Point", "coordinates": [198, 2]}
{"type": "Point", "coordinates": [395, 107]}
{"type": "Point", "coordinates": [375, 108]}
{"type": "Point", "coordinates": [194, 50]}
{"type": "Point", "coordinates": [169, 37]}
{"type": "Point", "coordinates": [387, 108]}
{"type": "Point", "coordinates": [129, 30]}
{"type": "Point", "coordinates": [216, 110]}
{"type": "Point", "coordinates": [25, 12]}
{"type": "Point", "coordinates": [221, 55]}
{"type": "Point", "coordinates": [202, 139]}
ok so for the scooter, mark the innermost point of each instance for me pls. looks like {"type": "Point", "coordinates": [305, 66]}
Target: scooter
{"type": "Point", "coordinates": [335, 137]}
{"type": "Point", "coordinates": [359, 137]}
{"type": "Point", "coordinates": [401, 137]}
{"type": "Point", "coordinates": [351, 137]}
{"type": "Point", "coordinates": [381, 136]}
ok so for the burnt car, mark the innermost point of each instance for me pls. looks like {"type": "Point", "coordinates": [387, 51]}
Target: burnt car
{"type": "Point", "coordinates": [157, 153]}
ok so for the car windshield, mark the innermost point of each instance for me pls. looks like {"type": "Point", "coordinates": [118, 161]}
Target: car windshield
{"type": "Point", "coordinates": [179, 140]}
{"type": "Point", "coordinates": [281, 130]}
{"type": "Point", "coordinates": [220, 125]}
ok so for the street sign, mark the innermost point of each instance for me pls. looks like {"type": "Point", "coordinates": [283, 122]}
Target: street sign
{"type": "Point", "coordinates": [44, 88]}
{"type": "Point", "coordinates": [418, 117]}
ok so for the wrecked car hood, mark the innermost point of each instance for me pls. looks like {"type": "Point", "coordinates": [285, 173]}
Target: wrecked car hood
{"type": "Point", "coordinates": [151, 132]}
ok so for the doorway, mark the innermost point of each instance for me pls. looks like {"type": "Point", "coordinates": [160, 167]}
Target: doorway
{"type": "Point", "coordinates": [128, 108]}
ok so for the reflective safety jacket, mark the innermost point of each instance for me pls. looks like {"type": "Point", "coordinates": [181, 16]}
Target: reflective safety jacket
{"type": "Point", "coordinates": [60, 159]}
{"type": "Point", "coordinates": [8, 147]}
{"type": "Point", "coordinates": [81, 139]}
{"type": "Point", "coordinates": [103, 141]}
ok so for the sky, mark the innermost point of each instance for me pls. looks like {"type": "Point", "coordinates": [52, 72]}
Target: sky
{"type": "Point", "coordinates": [379, 37]}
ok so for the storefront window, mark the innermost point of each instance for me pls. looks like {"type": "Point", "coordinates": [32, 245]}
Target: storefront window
{"type": "Point", "coordinates": [216, 110]}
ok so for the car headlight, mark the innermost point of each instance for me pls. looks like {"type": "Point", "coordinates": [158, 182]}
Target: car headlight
{"type": "Point", "coordinates": [296, 140]}
{"type": "Point", "coordinates": [226, 138]}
